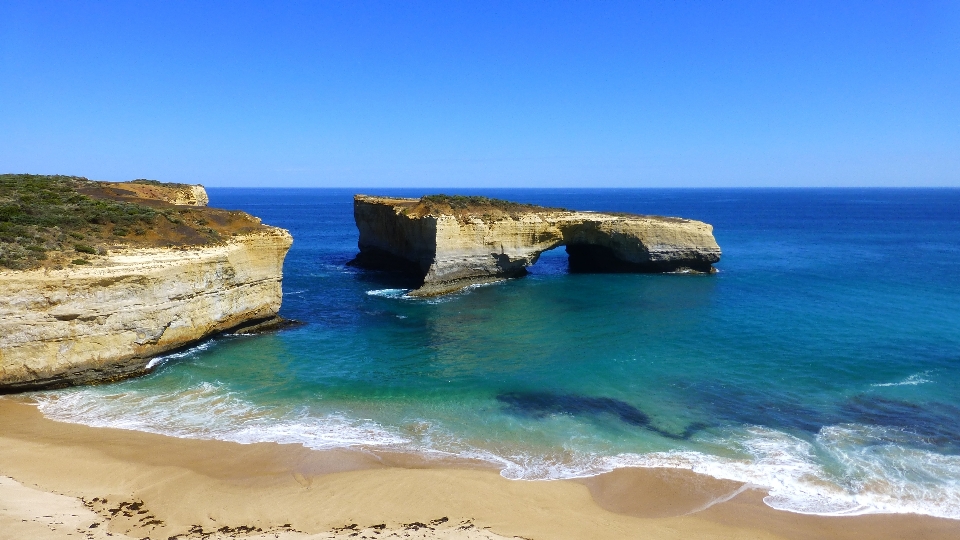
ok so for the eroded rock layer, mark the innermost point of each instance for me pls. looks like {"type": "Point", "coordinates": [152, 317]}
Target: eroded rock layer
{"type": "Point", "coordinates": [177, 194]}
{"type": "Point", "coordinates": [452, 242]}
{"type": "Point", "coordinates": [103, 317]}
{"type": "Point", "coordinates": [97, 323]}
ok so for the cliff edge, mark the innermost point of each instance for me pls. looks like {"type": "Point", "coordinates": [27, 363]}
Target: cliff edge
{"type": "Point", "coordinates": [96, 278]}
{"type": "Point", "coordinates": [453, 242]}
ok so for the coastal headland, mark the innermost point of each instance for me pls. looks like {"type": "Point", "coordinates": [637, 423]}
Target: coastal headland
{"type": "Point", "coordinates": [98, 277]}
{"type": "Point", "coordinates": [452, 242]}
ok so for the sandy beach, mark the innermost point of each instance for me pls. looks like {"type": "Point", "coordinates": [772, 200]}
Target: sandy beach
{"type": "Point", "coordinates": [61, 480]}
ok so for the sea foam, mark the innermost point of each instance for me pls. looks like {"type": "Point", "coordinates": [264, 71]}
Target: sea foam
{"type": "Point", "coordinates": [872, 477]}
{"type": "Point", "coordinates": [158, 361]}
{"type": "Point", "coordinates": [913, 380]}
{"type": "Point", "coordinates": [388, 293]}
{"type": "Point", "coordinates": [207, 411]}
{"type": "Point", "coordinates": [871, 474]}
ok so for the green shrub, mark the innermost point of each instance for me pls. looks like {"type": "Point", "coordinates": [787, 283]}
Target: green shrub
{"type": "Point", "coordinates": [40, 209]}
{"type": "Point", "coordinates": [50, 213]}
{"type": "Point", "coordinates": [460, 202]}
{"type": "Point", "coordinates": [159, 183]}
{"type": "Point", "coordinates": [80, 261]}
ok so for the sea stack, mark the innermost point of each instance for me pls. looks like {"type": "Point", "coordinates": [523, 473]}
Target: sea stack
{"type": "Point", "coordinates": [453, 242]}
{"type": "Point", "coordinates": [112, 274]}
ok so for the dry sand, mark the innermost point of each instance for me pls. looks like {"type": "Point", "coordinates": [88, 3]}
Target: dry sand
{"type": "Point", "coordinates": [62, 481]}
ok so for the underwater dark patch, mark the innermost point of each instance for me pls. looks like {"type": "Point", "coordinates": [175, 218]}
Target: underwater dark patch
{"type": "Point", "coordinates": [741, 406]}
{"type": "Point", "coordinates": [934, 424]}
{"type": "Point", "coordinates": [541, 404]}
{"type": "Point", "coordinates": [538, 405]}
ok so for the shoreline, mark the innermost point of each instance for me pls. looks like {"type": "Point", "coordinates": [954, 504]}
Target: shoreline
{"type": "Point", "coordinates": [269, 490]}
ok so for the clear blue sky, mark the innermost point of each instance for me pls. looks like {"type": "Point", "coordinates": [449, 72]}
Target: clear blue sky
{"type": "Point", "coordinates": [484, 94]}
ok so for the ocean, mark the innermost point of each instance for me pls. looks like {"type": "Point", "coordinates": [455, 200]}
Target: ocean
{"type": "Point", "coordinates": [822, 360]}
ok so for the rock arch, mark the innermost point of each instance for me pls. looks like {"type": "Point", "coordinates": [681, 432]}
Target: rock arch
{"type": "Point", "coordinates": [450, 245]}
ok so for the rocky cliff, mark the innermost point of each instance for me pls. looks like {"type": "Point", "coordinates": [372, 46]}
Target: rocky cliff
{"type": "Point", "coordinates": [131, 300]}
{"type": "Point", "coordinates": [454, 242]}
{"type": "Point", "coordinates": [143, 190]}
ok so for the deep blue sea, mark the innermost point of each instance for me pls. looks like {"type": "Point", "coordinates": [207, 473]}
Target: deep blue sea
{"type": "Point", "coordinates": [822, 361]}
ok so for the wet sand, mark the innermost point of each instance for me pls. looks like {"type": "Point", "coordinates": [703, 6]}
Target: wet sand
{"type": "Point", "coordinates": [61, 480]}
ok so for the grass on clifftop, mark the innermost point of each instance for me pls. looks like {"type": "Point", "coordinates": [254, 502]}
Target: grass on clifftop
{"type": "Point", "coordinates": [55, 220]}
{"type": "Point", "coordinates": [461, 202]}
{"type": "Point", "coordinates": [465, 207]}
{"type": "Point", "coordinates": [39, 214]}
{"type": "Point", "coordinates": [159, 183]}
{"type": "Point", "coordinates": [473, 205]}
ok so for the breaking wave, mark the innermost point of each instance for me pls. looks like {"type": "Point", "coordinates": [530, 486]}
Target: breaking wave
{"type": "Point", "coordinates": [913, 380]}
{"type": "Point", "coordinates": [388, 293]}
{"type": "Point", "coordinates": [847, 469]}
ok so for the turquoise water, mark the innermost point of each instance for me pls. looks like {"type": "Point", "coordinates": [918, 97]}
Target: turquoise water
{"type": "Point", "coordinates": [823, 361]}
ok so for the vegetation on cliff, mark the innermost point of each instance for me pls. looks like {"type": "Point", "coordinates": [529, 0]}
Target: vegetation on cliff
{"type": "Point", "coordinates": [147, 182]}
{"type": "Point", "coordinates": [461, 202]}
{"type": "Point", "coordinates": [53, 220]}
{"type": "Point", "coordinates": [465, 206]}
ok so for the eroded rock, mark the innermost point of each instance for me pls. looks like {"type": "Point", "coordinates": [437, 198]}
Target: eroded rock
{"type": "Point", "coordinates": [453, 242]}
{"type": "Point", "coordinates": [164, 289]}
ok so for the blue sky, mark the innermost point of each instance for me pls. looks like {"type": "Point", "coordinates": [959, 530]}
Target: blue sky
{"type": "Point", "coordinates": [484, 94]}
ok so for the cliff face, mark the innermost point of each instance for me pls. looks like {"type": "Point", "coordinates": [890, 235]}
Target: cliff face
{"type": "Point", "coordinates": [177, 194]}
{"type": "Point", "coordinates": [452, 248]}
{"type": "Point", "coordinates": [103, 322]}
{"type": "Point", "coordinates": [189, 276]}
